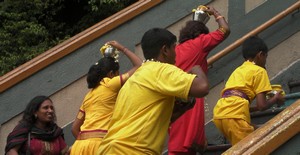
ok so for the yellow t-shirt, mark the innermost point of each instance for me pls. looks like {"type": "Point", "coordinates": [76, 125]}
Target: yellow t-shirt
{"type": "Point", "coordinates": [248, 78]}
{"type": "Point", "coordinates": [143, 109]}
{"type": "Point", "coordinates": [99, 103]}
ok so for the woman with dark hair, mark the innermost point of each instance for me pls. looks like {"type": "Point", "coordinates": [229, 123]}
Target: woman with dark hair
{"type": "Point", "coordinates": [104, 80]}
{"type": "Point", "coordinates": [37, 132]}
{"type": "Point", "coordinates": [186, 134]}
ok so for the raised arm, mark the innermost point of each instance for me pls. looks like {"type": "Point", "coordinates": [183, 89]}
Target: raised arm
{"type": "Point", "coordinates": [223, 25]}
{"type": "Point", "coordinates": [135, 60]}
{"type": "Point", "coordinates": [200, 87]}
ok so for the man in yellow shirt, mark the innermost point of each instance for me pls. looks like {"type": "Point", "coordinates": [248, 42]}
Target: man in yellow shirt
{"type": "Point", "coordinates": [145, 103]}
{"type": "Point", "coordinates": [248, 81]}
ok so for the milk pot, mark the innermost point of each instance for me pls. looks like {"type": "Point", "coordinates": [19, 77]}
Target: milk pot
{"type": "Point", "coordinates": [200, 14]}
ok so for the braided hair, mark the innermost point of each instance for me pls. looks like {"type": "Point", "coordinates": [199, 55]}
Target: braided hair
{"type": "Point", "coordinates": [100, 70]}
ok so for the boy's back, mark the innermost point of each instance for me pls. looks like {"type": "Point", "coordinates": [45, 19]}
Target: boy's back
{"type": "Point", "coordinates": [249, 79]}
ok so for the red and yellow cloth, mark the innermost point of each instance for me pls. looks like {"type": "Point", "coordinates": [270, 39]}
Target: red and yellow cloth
{"type": "Point", "coordinates": [250, 79]}
{"type": "Point", "coordinates": [143, 109]}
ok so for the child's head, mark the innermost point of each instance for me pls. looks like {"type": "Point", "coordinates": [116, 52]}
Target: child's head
{"type": "Point", "coordinates": [255, 49]}
{"type": "Point", "coordinates": [155, 40]}
{"type": "Point", "coordinates": [191, 30]}
{"type": "Point", "coordinates": [105, 67]}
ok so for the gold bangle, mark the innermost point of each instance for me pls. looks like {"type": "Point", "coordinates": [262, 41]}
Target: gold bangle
{"type": "Point", "coordinates": [219, 17]}
{"type": "Point", "coordinates": [223, 30]}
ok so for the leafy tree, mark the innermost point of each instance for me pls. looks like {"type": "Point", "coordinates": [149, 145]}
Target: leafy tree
{"type": "Point", "coordinates": [30, 27]}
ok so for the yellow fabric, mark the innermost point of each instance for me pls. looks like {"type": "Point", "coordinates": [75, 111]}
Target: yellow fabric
{"type": "Point", "coordinates": [143, 110]}
{"type": "Point", "coordinates": [234, 129]}
{"type": "Point", "coordinates": [86, 147]}
{"type": "Point", "coordinates": [248, 78]}
{"type": "Point", "coordinates": [91, 134]}
{"type": "Point", "coordinates": [97, 108]}
{"type": "Point", "coordinates": [99, 103]}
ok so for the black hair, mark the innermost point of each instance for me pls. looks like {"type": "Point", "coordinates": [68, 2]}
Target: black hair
{"type": "Point", "coordinates": [100, 70]}
{"type": "Point", "coordinates": [252, 46]}
{"type": "Point", "coordinates": [154, 39]}
{"type": "Point", "coordinates": [191, 30]}
{"type": "Point", "coordinates": [32, 107]}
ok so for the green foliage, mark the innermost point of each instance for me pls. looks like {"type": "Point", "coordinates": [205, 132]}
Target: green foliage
{"type": "Point", "coordinates": [30, 27]}
{"type": "Point", "coordinates": [24, 33]}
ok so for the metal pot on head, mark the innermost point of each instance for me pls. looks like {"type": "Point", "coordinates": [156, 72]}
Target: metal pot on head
{"type": "Point", "coordinates": [109, 51]}
{"type": "Point", "coordinates": [200, 14]}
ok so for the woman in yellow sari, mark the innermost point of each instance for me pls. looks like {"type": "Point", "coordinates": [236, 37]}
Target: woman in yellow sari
{"type": "Point", "coordinates": [104, 80]}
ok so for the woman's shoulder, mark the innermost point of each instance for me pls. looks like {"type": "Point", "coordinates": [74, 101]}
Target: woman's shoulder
{"type": "Point", "coordinates": [22, 125]}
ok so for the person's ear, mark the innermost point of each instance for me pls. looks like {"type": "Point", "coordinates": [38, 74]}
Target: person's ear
{"type": "Point", "coordinates": [110, 74]}
{"type": "Point", "coordinates": [262, 54]}
{"type": "Point", "coordinates": [164, 51]}
{"type": "Point", "coordinates": [258, 55]}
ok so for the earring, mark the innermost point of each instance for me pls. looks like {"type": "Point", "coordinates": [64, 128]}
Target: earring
{"type": "Point", "coordinates": [35, 116]}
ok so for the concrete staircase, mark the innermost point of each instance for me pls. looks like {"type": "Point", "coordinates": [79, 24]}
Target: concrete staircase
{"type": "Point", "coordinates": [64, 79]}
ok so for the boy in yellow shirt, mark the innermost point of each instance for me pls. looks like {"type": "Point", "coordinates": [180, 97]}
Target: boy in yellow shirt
{"type": "Point", "coordinates": [248, 81]}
